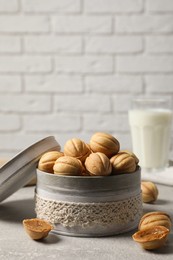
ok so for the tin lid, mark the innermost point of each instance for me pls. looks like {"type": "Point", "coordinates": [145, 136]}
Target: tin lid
{"type": "Point", "coordinates": [21, 169]}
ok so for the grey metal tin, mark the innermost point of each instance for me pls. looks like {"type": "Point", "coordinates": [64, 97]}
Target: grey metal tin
{"type": "Point", "coordinates": [94, 191]}
{"type": "Point", "coordinates": [21, 169]}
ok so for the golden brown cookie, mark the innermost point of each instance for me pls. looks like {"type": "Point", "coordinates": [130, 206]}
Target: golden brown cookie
{"type": "Point", "coordinates": [123, 163]}
{"type": "Point", "coordinates": [77, 148]}
{"type": "Point", "coordinates": [47, 161]}
{"type": "Point", "coordinates": [104, 143]}
{"type": "Point", "coordinates": [98, 164]}
{"type": "Point", "coordinates": [67, 165]}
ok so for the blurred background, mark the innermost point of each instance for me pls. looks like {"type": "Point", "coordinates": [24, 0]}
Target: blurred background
{"type": "Point", "coordinates": [69, 68]}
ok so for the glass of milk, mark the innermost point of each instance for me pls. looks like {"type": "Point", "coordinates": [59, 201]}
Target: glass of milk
{"type": "Point", "coordinates": [150, 121]}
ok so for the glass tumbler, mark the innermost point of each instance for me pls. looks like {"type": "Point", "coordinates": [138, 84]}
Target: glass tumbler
{"type": "Point", "coordinates": [150, 120]}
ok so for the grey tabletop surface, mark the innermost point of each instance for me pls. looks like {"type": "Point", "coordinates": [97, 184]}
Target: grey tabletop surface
{"type": "Point", "coordinates": [16, 244]}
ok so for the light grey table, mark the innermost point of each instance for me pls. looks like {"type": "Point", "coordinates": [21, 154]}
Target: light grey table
{"type": "Point", "coordinates": [16, 244]}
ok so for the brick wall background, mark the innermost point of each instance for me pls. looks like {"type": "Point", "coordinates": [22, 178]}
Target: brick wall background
{"type": "Point", "coordinates": [69, 67]}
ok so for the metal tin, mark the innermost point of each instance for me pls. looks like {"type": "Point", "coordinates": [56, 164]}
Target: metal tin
{"type": "Point", "coordinates": [89, 206]}
{"type": "Point", "coordinates": [22, 168]}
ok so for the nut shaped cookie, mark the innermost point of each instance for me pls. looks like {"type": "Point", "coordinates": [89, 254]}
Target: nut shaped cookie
{"type": "Point", "coordinates": [47, 161]}
{"type": "Point", "coordinates": [155, 218]}
{"type": "Point", "coordinates": [132, 154]}
{"type": "Point", "coordinates": [77, 148]}
{"type": "Point", "coordinates": [67, 165]}
{"type": "Point", "coordinates": [151, 238]}
{"type": "Point", "coordinates": [98, 164]}
{"type": "Point", "coordinates": [149, 191]}
{"type": "Point", "coordinates": [123, 163]}
{"type": "Point", "coordinates": [104, 143]}
{"type": "Point", "coordinates": [37, 228]}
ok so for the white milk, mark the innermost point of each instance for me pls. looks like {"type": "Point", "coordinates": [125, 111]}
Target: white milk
{"type": "Point", "coordinates": [151, 134]}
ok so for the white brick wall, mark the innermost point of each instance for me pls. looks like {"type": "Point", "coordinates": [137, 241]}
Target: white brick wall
{"type": "Point", "coordinates": [21, 23]}
{"type": "Point", "coordinates": [145, 64]}
{"type": "Point", "coordinates": [81, 23]}
{"type": "Point", "coordinates": [53, 44]}
{"type": "Point", "coordinates": [83, 64]}
{"type": "Point", "coordinates": [51, 6]}
{"type": "Point", "coordinates": [25, 64]}
{"type": "Point", "coordinates": [10, 44]}
{"type": "Point", "coordinates": [7, 6]}
{"type": "Point", "coordinates": [113, 6]}
{"type": "Point", "coordinates": [10, 84]}
{"type": "Point", "coordinates": [70, 67]}
{"type": "Point", "coordinates": [117, 44]}
{"type": "Point", "coordinates": [145, 23]}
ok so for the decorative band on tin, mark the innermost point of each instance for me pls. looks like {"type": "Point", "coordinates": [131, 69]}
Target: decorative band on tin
{"type": "Point", "coordinates": [71, 214]}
